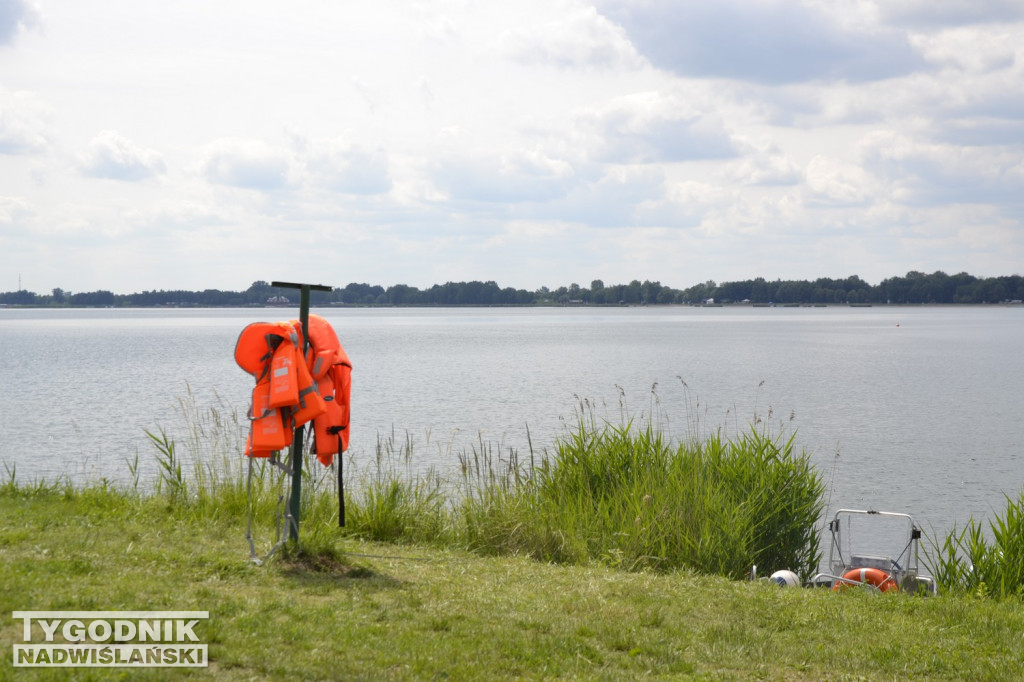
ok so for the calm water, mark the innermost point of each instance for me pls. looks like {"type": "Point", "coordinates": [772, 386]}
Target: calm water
{"type": "Point", "coordinates": [903, 409]}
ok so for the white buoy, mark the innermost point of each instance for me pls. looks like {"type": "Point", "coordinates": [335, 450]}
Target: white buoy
{"type": "Point", "coordinates": [785, 579]}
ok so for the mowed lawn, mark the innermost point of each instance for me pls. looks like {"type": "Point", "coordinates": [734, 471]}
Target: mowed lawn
{"type": "Point", "coordinates": [352, 610]}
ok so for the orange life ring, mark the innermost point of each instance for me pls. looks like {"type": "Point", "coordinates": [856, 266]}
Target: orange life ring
{"type": "Point", "coordinates": [872, 576]}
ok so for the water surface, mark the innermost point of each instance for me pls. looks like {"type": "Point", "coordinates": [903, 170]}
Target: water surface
{"type": "Point", "coordinates": [912, 409]}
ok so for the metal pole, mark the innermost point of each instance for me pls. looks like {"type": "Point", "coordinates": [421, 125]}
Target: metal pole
{"type": "Point", "coordinates": [296, 449]}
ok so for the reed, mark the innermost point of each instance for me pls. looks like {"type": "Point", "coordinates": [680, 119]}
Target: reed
{"type": "Point", "coordinates": [394, 503]}
{"type": "Point", "coordinates": [624, 495]}
{"type": "Point", "coordinates": [171, 478]}
{"type": "Point", "coordinates": [968, 560]}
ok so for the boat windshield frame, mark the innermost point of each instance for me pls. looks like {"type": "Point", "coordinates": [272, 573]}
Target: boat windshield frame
{"type": "Point", "coordinates": [896, 552]}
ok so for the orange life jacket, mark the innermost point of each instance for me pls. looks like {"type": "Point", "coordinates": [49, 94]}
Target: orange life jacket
{"type": "Point", "coordinates": [330, 366]}
{"type": "Point", "coordinates": [311, 402]}
{"type": "Point", "coordinates": [284, 376]}
{"type": "Point", "coordinates": [292, 390]}
{"type": "Point", "coordinates": [267, 428]}
{"type": "Point", "coordinates": [257, 342]}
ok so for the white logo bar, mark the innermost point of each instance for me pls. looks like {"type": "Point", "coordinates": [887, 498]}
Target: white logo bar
{"type": "Point", "coordinates": [110, 614]}
{"type": "Point", "coordinates": [110, 639]}
{"type": "Point", "coordinates": [109, 656]}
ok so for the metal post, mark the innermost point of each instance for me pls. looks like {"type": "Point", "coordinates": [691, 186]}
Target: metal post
{"type": "Point", "coordinates": [296, 449]}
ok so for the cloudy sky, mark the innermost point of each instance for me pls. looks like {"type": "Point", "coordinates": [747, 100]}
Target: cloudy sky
{"type": "Point", "coordinates": [196, 144]}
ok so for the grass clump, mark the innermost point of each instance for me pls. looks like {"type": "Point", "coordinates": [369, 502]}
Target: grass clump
{"type": "Point", "coordinates": [629, 498]}
{"type": "Point", "coordinates": [970, 561]}
{"type": "Point", "coordinates": [393, 503]}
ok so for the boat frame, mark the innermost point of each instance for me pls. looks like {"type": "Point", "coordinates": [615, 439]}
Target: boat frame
{"type": "Point", "coordinates": [904, 569]}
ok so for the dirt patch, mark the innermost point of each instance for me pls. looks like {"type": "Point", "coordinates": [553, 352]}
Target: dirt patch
{"type": "Point", "coordinates": [325, 563]}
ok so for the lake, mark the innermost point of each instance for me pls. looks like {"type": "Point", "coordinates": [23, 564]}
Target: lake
{"type": "Point", "coordinates": [913, 409]}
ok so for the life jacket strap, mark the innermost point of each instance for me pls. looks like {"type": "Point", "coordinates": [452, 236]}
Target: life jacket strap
{"type": "Point", "coordinates": [273, 341]}
{"type": "Point", "coordinates": [341, 485]}
{"type": "Point", "coordinates": [304, 392]}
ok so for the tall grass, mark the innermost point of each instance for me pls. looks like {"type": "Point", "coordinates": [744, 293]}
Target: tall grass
{"type": "Point", "coordinates": [626, 496]}
{"type": "Point", "coordinates": [969, 561]}
{"type": "Point", "coordinates": [204, 476]}
{"type": "Point", "coordinates": [623, 495]}
{"type": "Point", "coordinates": [200, 473]}
{"type": "Point", "coordinates": [393, 502]}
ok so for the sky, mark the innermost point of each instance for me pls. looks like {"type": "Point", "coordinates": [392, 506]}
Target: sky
{"type": "Point", "coordinates": [196, 144]}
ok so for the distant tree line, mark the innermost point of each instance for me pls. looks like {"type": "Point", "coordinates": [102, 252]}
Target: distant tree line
{"type": "Point", "coordinates": [915, 287]}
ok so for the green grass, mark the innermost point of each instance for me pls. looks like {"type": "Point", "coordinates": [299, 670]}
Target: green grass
{"type": "Point", "coordinates": [613, 555]}
{"type": "Point", "coordinates": [367, 610]}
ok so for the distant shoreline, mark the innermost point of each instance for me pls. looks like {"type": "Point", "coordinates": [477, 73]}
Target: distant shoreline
{"type": "Point", "coordinates": [421, 306]}
{"type": "Point", "coordinates": [915, 288]}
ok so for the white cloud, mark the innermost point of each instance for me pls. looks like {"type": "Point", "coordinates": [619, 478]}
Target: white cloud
{"type": "Point", "coordinates": [686, 204]}
{"type": "Point", "coordinates": [506, 177]}
{"type": "Point", "coordinates": [439, 28]}
{"type": "Point", "coordinates": [15, 16]}
{"type": "Point", "coordinates": [578, 37]}
{"type": "Point", "coordinates": [654, 127]}
{"type": "Point", "coordinates": [764, 166]}
{"type": "Point", "coordinates": [248, 164]}
{"type": "Point", "coordinates": [832, 183]}
{"type": "Point", "coordinates": [12, 209]}
{"type": "Point", "coordinates": [654, 139]}
{"type": "Point", "coordinates": [621, 196]}
{"type": "Point", "coordinates": [176, 216]}
{"type": "Point", "coordinates": [764, 41]}
{"type": "Point", "coordinates": [24, 124]}
{"type": "Point", "coordinates": [970, 48]}
{"type": "Point", "coordinates": [935, 173]}
{"type": "Point", "coordinates": [110, 155]}
{"type": "Point", "coordinates": [345, 167]}
{"type": "Point", "coordinates": [949, 12]}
